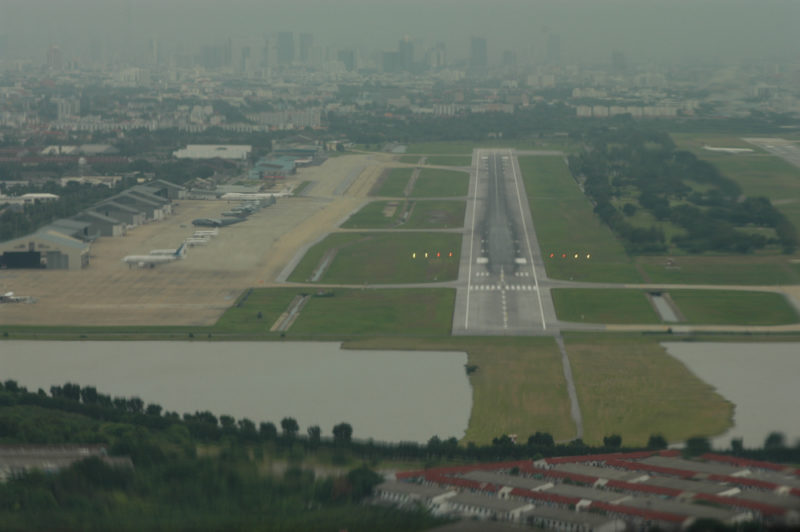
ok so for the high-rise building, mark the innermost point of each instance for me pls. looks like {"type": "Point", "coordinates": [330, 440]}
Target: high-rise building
{"type": "Point", "coordinates": [348, 58]}
{"type": "Point", "coordinates": [436, 57]}
{"type": "Point", "coordinates": [406, 50]}
{"type": "Point", "coordinates": [285, 48]}
{"type": "Point", "coordinates": [618, 63]}
{"type": "Point", "coordinates": [306, 41]}
{"type": "Point", "coordinates": [54, 59]}
{"type": "Point", "coordinates": [478, 53]}
{"type": "Point", "coordinates": [553, 48]}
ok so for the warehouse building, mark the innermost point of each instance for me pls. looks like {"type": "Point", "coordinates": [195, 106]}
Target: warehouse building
{"type": "Point", "coordinates": [101, 224]}
{"type": "Point", "coordinates": [47, 249]}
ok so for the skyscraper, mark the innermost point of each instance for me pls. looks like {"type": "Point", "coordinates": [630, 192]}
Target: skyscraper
{"type": "Point", "coordinates": [285, 48]}
{"type": "Point", "coordinates": [306, 41]}
{"type": "Point", "coordinates": [406, 50]}
{"type": "Point", "coordinates": [478, 53]}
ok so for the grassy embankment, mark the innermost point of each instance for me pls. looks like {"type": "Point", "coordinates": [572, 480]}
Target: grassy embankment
{"type": "Point", "coordinates": [565, 224]}
{"type": "Point", "coordinates": [393, 183]}
{"type": "Point", "coordinates": [449, 160]}
{"type": "Point", "coordinates": [436, 183]}
{"type": "Point", "coordinates": [699, 307]}
{"type": "Point", "coordinates": [632, 387]}
{"type": "Point", "coordinates": [428, 214]}
{"type": "Point", "coordinates": [518, 384]}
{"type": "Point", "coordinates": [376, 258]}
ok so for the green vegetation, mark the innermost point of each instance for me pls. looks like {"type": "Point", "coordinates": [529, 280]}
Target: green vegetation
{"type": "Point", "coordinates": [743, 270]}
{"type": "Point", "coordinates": [599, 305]}
{"type": "Point", "coordinates": [466, 147]}
{"type": "Point", "coordinates": [192, 473]}
{"type": "Point", "coordinates": [377, 215]}
{"type": "Point", "coordinates": [409, 159]}
{"type": "Point", "coordinates": [566, 225]}
{"type": "Point", "coordinates": [436, 214]}
{"type": "Point", "coordinates": [427, 214]}
{"type": "Point", "coordinates": [733, 307]}
{"type": "Point", "coordinates": [375, 258]}
{"type": "Point", "coordinates": [449, 160]}
{"type": "Point", "coordinates": [435, 183]}
{"type": "Point", "coordinates": [393, 183]}
{"type": "Point", "coordinates": [633, 388]}
{"type": "Point", "coordinates": [354, 312]}
{"type": "Point", "coordinates": [518, 384]}
{"type": "Point", "coordinates": [627, 169]}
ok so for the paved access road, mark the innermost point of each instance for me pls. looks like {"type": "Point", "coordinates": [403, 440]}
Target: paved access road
{"type": "Point", "coordinates": [501, 273]}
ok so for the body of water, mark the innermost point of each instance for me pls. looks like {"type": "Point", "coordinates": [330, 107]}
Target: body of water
{"type": "Point", "coordinates": [761, 379]}
{"type": "Point", "coordinates": [385, 395]}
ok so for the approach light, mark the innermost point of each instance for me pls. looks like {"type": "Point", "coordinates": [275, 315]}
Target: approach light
{"type": "Point", "coordinates": [575, 256]}
{"type": "Point", "coordinates": [588, 255]}
{"type": "Point", "coordinates": [451, 254]}
{"type": "Point", "coordinates": [426, 254]}
{"type": "Point", "coordinates": [438, 254]}
{"type": "Point", "coordinates": [552, 255]}
{"type": "Point", "coordinates": [563, 255]}
{"type": "Point", "coordinates": [413, 255]}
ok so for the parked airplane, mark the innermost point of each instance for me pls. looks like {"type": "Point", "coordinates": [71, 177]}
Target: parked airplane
{"type": "Point", "coordinates": [9, 297]}
{"type": "Point", "coordinates": [236, 214]}
{"type": "Point", "coordinates": [150, 261]}
{"type": "Point", "coordinates": [255, 195]}
{"type": "Point", "coordinates": [215, 222]}
{"type": "Point", "coordinates": [196, 241]}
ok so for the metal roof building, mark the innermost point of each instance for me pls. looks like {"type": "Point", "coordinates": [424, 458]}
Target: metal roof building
{"type": "Point", "coordinates": [45, 249]}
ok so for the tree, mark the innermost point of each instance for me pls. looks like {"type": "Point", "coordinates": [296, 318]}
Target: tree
{"type": "Point", "coordinates": [775, 440]}
{"type": "Point", "coordinates": [614, 441]}
{"type": "Point", "coordinates": [541, 439]}
{"type": "Point", "coordinates": [314, 435]}
{"type": "Point", "coordinates": [737, 445]}
{"type": "Point", "coordinates": [153, 410]}
{"type": "Point", "coordinates": [697, 445]}
{"type": "Point", "coordinates": [657, 441]}
{"type": "Point", "coordinates": [342, 433]}
{"type": "Point", "coordinates": [268, 431]}
{"type": "Point", "coordinates": [290, 427]}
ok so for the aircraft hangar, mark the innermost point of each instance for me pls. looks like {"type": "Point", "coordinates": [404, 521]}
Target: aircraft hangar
{"type": "Point", "coordinates": [45, 249]}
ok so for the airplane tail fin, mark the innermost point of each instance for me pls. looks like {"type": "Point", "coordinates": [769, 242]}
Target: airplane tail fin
{"type": "Point", "coordinates": [181, 251]}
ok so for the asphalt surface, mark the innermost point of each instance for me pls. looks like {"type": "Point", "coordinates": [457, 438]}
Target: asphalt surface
{"type": "Point", "coordinates": [500, 289]}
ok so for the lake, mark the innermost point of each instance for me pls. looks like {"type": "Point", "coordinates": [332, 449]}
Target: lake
{"type": "Point", "coordinates": [761, 379]}
{"type": "Point", "coordinates": [385, 395]}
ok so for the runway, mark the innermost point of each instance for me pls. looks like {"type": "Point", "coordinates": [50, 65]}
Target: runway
{"type": "Point", "coordinates": [501, 273]}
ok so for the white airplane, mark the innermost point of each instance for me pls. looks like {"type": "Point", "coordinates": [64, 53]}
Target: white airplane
{"type": "Point", "coordinates": [255, 195]}
{"type": "Point", "coordinates": [196, 241]}
{"type": "Point", "coordinates": [150, 261]}
{"type": "Point", "coordinates": [209, 233]}
{"type": "Point", "coordinates": [9, 297]}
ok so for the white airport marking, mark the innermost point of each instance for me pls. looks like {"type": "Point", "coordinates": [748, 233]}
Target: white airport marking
{"type": "Point", "coordinates": [482, 260]}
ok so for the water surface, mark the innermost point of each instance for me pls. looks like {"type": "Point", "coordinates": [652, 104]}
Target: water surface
{"type": "Point", "coordinates": [385, 395]}
{"type": "Point", "coordinates": [761, 379]}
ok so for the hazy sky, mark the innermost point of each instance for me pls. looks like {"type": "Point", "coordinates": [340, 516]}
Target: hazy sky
{"type": "Point", "coordinates": [588, 29]}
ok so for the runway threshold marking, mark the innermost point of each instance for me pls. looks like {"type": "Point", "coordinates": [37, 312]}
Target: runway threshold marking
{"type": "Point", "coordinates": [514, 164]}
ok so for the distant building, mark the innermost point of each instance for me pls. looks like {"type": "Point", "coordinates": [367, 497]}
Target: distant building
{"type": "Point", "coordinates": [236, 152]}
{"type": "Point", "coordinates": [478, 53]}
{"type": "Point", "coordinates": [285, 48]}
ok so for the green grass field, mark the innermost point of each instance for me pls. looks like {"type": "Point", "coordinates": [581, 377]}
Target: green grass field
{"type": "Point", "coordinates": [355, 312]}
{"type": "Point", "coordinates": [465, 147]}
{"type": "Point", "coordinates": [741, 270]}
{"type": "Point", "coordinates": [565, 224]}
{"type": "Point", "coordinates": [409, 159]}
{"type": "Point", "coordinates": [600, 305]}
{"type": "Point", "coordinates": [436, 183]}
{"type": "Point", "coordinates": [449, 160]}
{"type": "Point", "coordinates": [394, 183]}
{"type": "Point", "coordinates": [733, 307]}
{"type": "Point", "coordinates": [242, 317]}
{"type": "Point", "coordinates": [373, 215]}
{"type": "Point", "coordinates": [518, 386]}
{"type": "Point", "coordinates": [374, 258]}
{"type": "Point", "coordinates": [426, 214]}
{"type": "Point", "coordinates": [634, 388]}
{"type": "Point", "coordinates": [436, 214]}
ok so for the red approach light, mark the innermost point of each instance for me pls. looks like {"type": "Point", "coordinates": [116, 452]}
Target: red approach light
{"type": "Point", "coordinates": [552, 255]}
{"type": "Point", "coordinates": [563, 255]}
{"type": "Point", "coordinates": [438, 254]}
{"type": "Point", "coordinates": [451, 253]}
